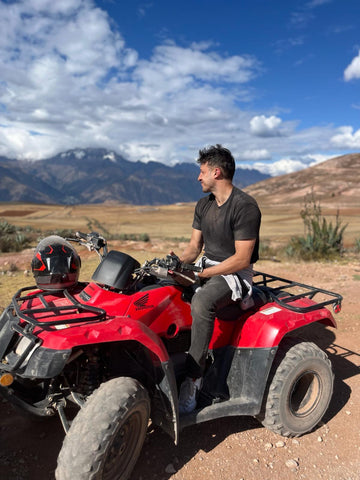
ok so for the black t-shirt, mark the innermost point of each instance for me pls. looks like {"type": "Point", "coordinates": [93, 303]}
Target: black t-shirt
{"type": "Point", "coordinates": [237, 219]}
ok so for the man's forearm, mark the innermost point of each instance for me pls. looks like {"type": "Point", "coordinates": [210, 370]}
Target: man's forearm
{"type": "Point", "coordinates": [228, 266]}
{"type": "Point", "coordinates": [190, 254]}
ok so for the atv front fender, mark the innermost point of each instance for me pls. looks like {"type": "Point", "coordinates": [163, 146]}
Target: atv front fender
{"type": "Point", "coordinates": [122, 329]}
{"type": "Point", "coordinates": [112, 330]}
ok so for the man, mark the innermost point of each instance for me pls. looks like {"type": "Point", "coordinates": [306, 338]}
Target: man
{"type": "Point", "coordinates": [227, 224]}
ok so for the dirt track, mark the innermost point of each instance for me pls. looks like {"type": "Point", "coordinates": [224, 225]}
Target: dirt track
{"type": "Point", "coordinates": [239, 447]}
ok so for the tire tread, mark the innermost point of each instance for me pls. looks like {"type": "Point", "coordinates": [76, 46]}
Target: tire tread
{"type": "Point", "coordinates": [83, 448]}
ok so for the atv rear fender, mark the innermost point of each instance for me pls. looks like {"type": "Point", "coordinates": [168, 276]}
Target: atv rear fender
{"type": "Point", "coordinates": [268, 326]}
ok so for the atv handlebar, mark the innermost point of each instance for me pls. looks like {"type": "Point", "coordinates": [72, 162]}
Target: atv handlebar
{"type": "Point", "coordinates": [170, 267]}
{"type": "Point", "coordinates": [93, 241]}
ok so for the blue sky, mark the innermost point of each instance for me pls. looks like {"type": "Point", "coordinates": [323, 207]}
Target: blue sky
{"type": "Point", "coordinates": [276, 81]}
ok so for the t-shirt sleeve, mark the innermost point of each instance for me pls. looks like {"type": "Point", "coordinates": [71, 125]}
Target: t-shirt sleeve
{"type": "Point", "coordinates": [247, 222]}
{"type": "Point", "coordinates": [197, 217]}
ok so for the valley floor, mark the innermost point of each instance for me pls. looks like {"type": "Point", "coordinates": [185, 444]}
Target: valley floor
{"type": "Point", "coordinates": [233, 448]}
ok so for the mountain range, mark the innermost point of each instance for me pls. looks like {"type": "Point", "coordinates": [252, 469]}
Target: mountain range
{"type": "Point", "coordinates": [90, 175]}
{"type": "Point", "coordinates": [333, 182]}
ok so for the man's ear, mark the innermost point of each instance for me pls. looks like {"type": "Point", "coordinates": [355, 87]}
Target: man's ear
{"type": "Point", "coordinates": [217, 172]}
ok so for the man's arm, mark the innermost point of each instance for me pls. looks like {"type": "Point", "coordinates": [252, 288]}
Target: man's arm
{"type": "Point", "coordinates": [193, 249]}
{"type": "Point", "coordinates": [240, 260]}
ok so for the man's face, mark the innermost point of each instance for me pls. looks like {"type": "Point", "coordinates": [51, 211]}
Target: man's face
{"type": "Point", "coordinates": [206, 177]}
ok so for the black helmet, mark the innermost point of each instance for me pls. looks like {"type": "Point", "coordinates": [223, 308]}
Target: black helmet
{"type": "Point", "coordinates": [56, 264]}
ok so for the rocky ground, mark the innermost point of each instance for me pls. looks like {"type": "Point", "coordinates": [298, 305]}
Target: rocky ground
{"type": "Point", "coordinates": [238, 447]}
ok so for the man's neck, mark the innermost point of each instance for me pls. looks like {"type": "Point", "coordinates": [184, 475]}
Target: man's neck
{"type": "Point", "coordinates": [222, 193]}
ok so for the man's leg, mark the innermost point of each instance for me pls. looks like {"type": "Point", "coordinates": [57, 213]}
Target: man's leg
{"type": "Point", "coordinates": [213, 296]}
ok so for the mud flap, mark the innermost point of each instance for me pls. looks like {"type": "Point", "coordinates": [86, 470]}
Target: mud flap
{"type": "Point", "coordinates": [233, 385]}
{"type": "Point", "coordinates": [238, 374]}
{"type": "Point", "coordinates": [165, 403]}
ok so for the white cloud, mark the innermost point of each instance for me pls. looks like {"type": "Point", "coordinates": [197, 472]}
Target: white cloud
{"type": "Point", "coordinates": [346, 138]}
{"type": "Point", "coordinates": [67, 74]}
{"type": "Point", "coordinates": [289, 165]}
{"type": "Point", "coordinates": [257, 154]}
{"type": "Point", "coordinates": [352, 71]}
{"type": "Point", "coordinates": [280, 167]}
{"type": "Point", "coordinates": [262, 126]}
{"type": "Point", "coordinates": [173, 68]}
{"type": "Point", "coordinates": [69, 80]}
{"type": "Point", "coordinates": [315, 158]}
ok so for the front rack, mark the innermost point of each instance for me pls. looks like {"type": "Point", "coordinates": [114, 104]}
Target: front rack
{"type": "Point", "coordinates": [277, 289]}
{"type": "Point", "coordinates": [74, 312]}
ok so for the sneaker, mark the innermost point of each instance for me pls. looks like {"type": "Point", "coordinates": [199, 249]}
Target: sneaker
{"type": "Point", "coordinates": [188, 394]}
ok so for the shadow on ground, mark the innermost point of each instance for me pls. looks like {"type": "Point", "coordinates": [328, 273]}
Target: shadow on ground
{"type": "Point", "coordinates": [29, 448]}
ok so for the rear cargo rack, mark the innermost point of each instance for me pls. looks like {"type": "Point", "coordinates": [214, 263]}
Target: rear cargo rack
{"type": "Point", "coordinates": [277, 289]}
{"type": "Point", "coordinates": [82, 313]}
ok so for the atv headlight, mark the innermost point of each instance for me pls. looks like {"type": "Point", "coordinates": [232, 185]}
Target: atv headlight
{"type": "Point", "coordinates": [22, 346]}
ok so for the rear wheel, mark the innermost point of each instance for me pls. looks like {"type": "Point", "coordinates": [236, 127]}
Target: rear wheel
{"type": "Point", "coordinates": [106, 436]}
{"type": "Point", "coordinates": [300, 390]}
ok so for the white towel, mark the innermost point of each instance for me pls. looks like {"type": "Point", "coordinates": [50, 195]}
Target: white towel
{"type": "Point", "coordinates": [233, 281]}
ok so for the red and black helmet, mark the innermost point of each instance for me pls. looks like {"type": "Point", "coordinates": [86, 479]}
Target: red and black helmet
{"type": "Point", "coordinates": [56, 264]}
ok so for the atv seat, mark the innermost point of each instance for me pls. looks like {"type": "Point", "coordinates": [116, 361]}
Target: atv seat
{"type": "Point", "coordinates": [234, 310]}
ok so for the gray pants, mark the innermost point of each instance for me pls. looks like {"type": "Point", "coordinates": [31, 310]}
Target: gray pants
{"type": "Point", "coordinates": [210, 298]}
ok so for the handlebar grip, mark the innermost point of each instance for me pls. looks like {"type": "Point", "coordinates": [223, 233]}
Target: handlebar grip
{"type": "Point", "coordinates": [190, 266]}
{"type": "Point", "coordinates": [84, 236]}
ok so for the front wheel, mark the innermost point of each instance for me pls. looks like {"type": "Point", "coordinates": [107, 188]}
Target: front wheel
{"type": "Point", "coordinates": [106, 436]}
{"type": "Point", "coordinates": [300, 390]}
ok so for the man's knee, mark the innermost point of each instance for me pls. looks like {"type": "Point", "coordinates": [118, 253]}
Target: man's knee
{"type": "Point", "coordinates": [212, 295]}
{"type": "Point", "coordinates": [201, 304]}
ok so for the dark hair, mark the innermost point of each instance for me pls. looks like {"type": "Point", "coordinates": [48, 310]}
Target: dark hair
{"type": "Point", "coordinates": [218, 156]}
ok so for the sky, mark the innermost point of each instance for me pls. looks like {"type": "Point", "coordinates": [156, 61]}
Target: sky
{"type": "Point", "coordinates": [275, 81]}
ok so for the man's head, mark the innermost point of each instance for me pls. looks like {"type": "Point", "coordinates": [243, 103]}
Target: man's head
{"type": "Point", "coordinates": [218, 157]}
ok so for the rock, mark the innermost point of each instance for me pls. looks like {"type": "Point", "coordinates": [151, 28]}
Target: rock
{"type": "Point", "coordinates": [170, 468]}
{"type": "Point", "coordinates": [280, 444]}
{"type": "Point", "coordinates": [292, 463]}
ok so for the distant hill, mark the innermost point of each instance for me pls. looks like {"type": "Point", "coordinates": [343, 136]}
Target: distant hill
{"type": "Point", "coordinates": [98, 175]}
{"type": "Point", "coordinates": [334, 182]}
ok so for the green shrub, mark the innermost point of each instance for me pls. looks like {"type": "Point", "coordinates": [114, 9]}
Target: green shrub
{"type": "Point", "coordinates": [135, 237]}
{"type": "Point", "coordinates": [6, 228]}
{"type": "Point", "coordinates": [322, 239]}
{"type": "Point", "coordinates": [266, 251]}
{"type": "Point", "coordinates": [357, 245]}
{"type": "Point", "coordinates": [12, 239]}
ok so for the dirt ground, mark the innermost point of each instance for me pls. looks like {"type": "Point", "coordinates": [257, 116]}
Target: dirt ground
{"type": "Point", "coordinates": [238, 447]}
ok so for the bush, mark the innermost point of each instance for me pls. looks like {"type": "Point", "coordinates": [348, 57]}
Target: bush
{"type": "Point", "coordinates": [136, 237]}
{"type": "Point", "coordinates": [266, 251]}
{"type": "Point", "coordinates": [357, 245]}
{"type": "Point", "coordinates": [6, 228]}
{"type": "Point", "coordinates": [322, 240]}
{"type": "Point", "coordinates": [12, 239]}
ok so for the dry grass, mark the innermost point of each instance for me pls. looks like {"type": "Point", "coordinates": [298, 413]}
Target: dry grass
{"type": "Point", "coordinates": [165, 221]}
{"type": "Point", "coordinates": [162, 222]}
{"type": "Point", "coordinates": [169, 227]}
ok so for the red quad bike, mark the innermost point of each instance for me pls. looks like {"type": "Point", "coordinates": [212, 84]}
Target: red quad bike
{"type": "Point", "coordinates": [112, 352]}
